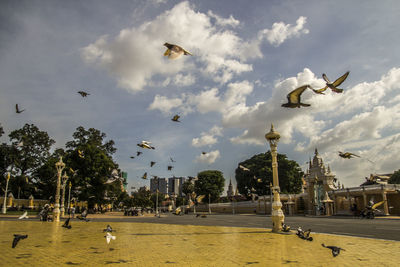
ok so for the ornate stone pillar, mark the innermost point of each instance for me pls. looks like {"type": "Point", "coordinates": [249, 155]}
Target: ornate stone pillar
{"type": "Point", "coordinates": [385, 204]}
{"type": "Point", "coordinates": [364, 197]}
{"type": "Point", "coordinates": [31, 202]}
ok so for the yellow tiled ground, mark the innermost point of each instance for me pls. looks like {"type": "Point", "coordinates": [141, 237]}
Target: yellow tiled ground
{"type": "Point", "coordinates": [144, 244]}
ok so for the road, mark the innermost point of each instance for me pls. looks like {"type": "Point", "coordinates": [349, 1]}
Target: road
{"type": "Point", "coordinates": [377, 228]}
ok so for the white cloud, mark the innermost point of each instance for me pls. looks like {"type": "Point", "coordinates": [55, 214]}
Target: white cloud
{"type": "Point", "coordinates": [134, 57]}
{"type": "Point", "coordinates": [231, 21]}
{"type": "Point", "coordinates": [208, 138]}
{"type": "Point", "coordinates": [281, 31]}
{"type": "Point", "coordinates": [165, 104]}
{"type": "Point", "coordinates": [204, 140]}
{"type": "Point", "coordinates": [184, 80]}
{"type": "Point", "coordinates": [209, 157]}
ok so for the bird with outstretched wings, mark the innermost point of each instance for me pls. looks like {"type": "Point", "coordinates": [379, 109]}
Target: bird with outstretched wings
{"type": "Point", "coordinates": [294, 98]}
{"type": "Point", "coordinates": [24, 216]}
{"type": "Point", "coordinates": [66, 224]}
{"type": "Point", "coordinates": [138, 153]}
{"type": "Point", "coordinates": [17, 238]}
{"type": "Point", "coordinates": [376, 205]}
{"type": "Point", "coordinates": [175, 51]}
{"type": "Point", "coordinates": [109, 236]}
{"type": "Point", "coordinates": [145, 144]}
{"type": "Point", "coordinates": [244, 168]}
{"type": "Point", "coordinates": [347, 155]}
{"type": "Point", "coordinates": [170, 167]}
{"type": "Point", "coordinates": [17, 110]}
{"type": "Point", "coordinates": [152, 163]}
{"type": "Point", "coordinates": [176, 118]}
{"type": "Point", "coordinates": [335, 250]}
{"type": "Point", "coordinates": [333, 86]}
{"type": "Point", "coordinates": [172, 160]}
{"type": "Point", "coordinates": [83, 93]}
{"type": "Point", "coordinates": [144, 177]}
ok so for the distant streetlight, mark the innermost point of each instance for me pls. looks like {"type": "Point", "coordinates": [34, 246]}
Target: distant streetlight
{"type": "Point", "coordinates": [5, 195]}
{"type": "Point", "coordinates": [69, 195]}
{"type": "Point", "coordinates": [209, 204]}
{"type": "Point", "coordinates": [60, 165]}
{"type": "Point", "coordinates": [277, 214]}
{"type": "Point", "coordinates": [64, 183]}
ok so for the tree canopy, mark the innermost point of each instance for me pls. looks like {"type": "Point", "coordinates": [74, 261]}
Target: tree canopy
{"type": "Point", "coordinates": [259, 176]}
{"type": "Point", "coordinates": [210, 182]}
{"type": "Point", "coordinates": [29, 149]}
{"type": "Point", "coordinates": [395, 178]}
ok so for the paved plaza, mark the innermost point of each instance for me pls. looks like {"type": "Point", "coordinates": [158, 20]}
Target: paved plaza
{"type": "Point", "coordinates": [140, 243]}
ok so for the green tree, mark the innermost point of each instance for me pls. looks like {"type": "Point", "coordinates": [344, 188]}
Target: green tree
{"type": "Point", "coordinates": [30, 149]}
{"type": "Point", "coordinates": [257, 180]}
{"type": "Point", "coordinates": [395, 178]}
{"type": "Point", "coordinates": [46, 177]}
{"type": "Point", "coordinates": [90, 158]}
{"type": "Point", "coordinates": [142, 198]}
{"type": "Point", "coordinates": [210, 182]}
{"type": "Point", "coordinates": [188, 188]}
{"type": "Point", "coordinates": [161, 198]}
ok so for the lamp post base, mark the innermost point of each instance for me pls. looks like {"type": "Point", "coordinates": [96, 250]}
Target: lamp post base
{"type": "Point", "coordinates": [56, 214]}
{"type": "Point", "coordinates": [277, 216]}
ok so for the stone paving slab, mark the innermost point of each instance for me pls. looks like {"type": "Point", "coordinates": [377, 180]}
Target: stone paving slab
{"type": "Point", "coordinates": [145, 244]}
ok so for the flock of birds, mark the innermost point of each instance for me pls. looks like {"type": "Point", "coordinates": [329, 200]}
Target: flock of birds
{"type": "Point", "coordinates": [67, 225]}
{"type": "Point", "coordinates": [305, 235]}
{"type": "Point", "coordinates": [294, 101]}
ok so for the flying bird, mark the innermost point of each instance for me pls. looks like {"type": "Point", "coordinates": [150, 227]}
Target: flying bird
{"type": "Point", "coordinates": [376, 205]}
{"type": "Point", "coordinates": [333, 86]}
{"type": "Point", "coordinates": [174, 51]}
{"type": "Point", "coordinates": [172, 160]}
{"type": "Point", "coordinates": [152, 163]}
{"type": "Point", "coordinates": [176, 118]}
{"type": "Point", "coordinates": [347, 155]}
{"type": "Point", "coordinates": [144, 177]}
{"type": "Point", "coordinates": [73, 171]}
{"type": "Point", "coordinates": [244, 168]}
{"type": "Point", "coordinates": [200, 198]}
{"type": "Point", "coordinates": [24, 216]}
{"type": "Point", "coordinates": [138, 153]}
{"type": "Point", "coordinates": [109, 237]}
{"type": "Point", "coordinates": [145, 144]}
{"type": "Point", "coordinates": [203, 153]}
{"type": "Point", "coordinates": [17, 110]}
{"type": "Point", "coordinates": [66, 224]}
{"type": "Point", "coordinates": [17, 238]}
{"type": "Point", "coordinates": [170, 168]}
{"type": "Point", "coordinates": [294, 98]}
{"type": "Point", "coordinates": [335, 250]}
{"type": "Point", "coordinates": [83, 94]}
{"type": "Point", "coordinates": [83, 216]}
{"type": "Point", "coordinates": [108, 229]}
{"type": "Point", "coordinates": [132, 157]}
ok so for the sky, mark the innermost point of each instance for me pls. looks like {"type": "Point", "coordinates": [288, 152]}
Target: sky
{"type": "Point", "coordinates": [247, 56]}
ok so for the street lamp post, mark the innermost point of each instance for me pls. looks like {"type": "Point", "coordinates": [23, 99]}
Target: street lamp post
{"type": "Point", "coordinates": [69, 195]}
{"type": "Point", "coordinates": [209, 204]}
{"type": "Point", "coordinates": [64, 183]}
{"type": "Point", "coordinates": [277, 214]}
{"type": "Point", "coordinates": [60, 165]}
{"type": "Point", "coordinates": [5, 194]}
